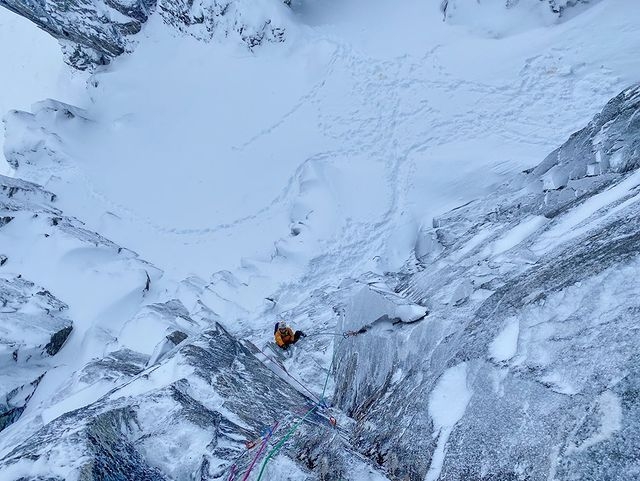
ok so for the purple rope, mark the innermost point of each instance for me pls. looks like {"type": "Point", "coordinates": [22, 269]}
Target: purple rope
{"type": "Point", "coordinates": [262, 446]}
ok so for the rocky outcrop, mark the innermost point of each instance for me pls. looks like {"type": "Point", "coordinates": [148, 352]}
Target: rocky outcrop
{"type": "Point", "coordinates": [525, 376]}
{"type": "Point", "coordinates": [35, 324]}
{"type": "Point", "coordinates": [252, 22]}
{"type": "Point", "coordinates": [32, 327]}
{"type": "Point", "coordinates": [188, 418]}
{"type": "Point", "coordinates": [609, 144]}
{"type": "Point", "coordinates": [14, 402]}
{"type": "Point", "coordinates": [181, 410]}
{"type": "Point", "coordinates": [93, 32]}
{"type": "Point", "coordinates": [32, 323]}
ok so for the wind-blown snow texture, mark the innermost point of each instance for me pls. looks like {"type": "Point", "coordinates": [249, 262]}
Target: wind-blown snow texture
{"type": "Point", "coordinates": [364, 177]}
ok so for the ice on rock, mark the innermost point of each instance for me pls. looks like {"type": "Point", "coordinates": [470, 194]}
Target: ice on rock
{"type": "Point", "coordinates": [447, 404]}
{"type": "Point", "coordinates": [461, 292]}
{"type": "Point", "coordinates": [427, 244]}
{"type": "Point", "coordinates": [189, 414]}
{"type": "Point", "coordinates": [505, 345]}
{"type": "Point", "coordinates": [368, 361]}
{"type": "Point", "coordinates": [372, 306]}
{"type": "Point", "coordinates": [545, 350]}
{"type": "Point", "coordinates": [555, 178]}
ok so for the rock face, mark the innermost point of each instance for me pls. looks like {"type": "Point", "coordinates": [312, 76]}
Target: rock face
{"type": "Point", "coordinates": [93, 32]}
{"type": "Point", "coordinates": [529, 375]}
{"type": "Point", "coordinates": [163, 391]}
{"type": "Point", "coordinates": [505, 350]}
{"type": "Point", "coordinates": [186, 418]}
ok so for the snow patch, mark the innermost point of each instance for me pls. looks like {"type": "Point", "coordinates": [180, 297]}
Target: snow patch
{"type": "Point", "coordinates": [447, 405]}
{"type": "Point", "coordinates": [609, 409]}
{"type": "Point", "coordinates": [518, 234]}
{"type": "Point", "coordinates": [505, 344]}
{"type": "Point", "coordinates": [368, 306]}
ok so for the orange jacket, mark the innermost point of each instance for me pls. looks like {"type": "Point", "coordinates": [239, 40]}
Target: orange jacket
{"type": "Point", "coordinates": [284, 339]}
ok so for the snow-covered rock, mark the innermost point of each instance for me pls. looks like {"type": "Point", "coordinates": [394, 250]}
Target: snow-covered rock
{"type": "Point", "coordinates": [530, 377]}
{"type": "Point", "coordinates": [253, 21]}
{"type": "Point", "coordinates": [159, 394]}
{"type": "Point", "coordinates": [504, 17]}
{"type": "Point", "coordinates": [187, 418]}
{"type": "Point", "coordinates": [518, 370]}
{"type": "Point", "coordinates": [610, 141]}
{"type": "Point", "coordinates": [33, 327]}
{"type": "Point", "coordinates": [382, 322]}
{"type": "Point", "coordinates": [41, 247]}
{"type": "Point", "coordinates": [31, 139]}
{"type": "Point", "coordinates": [32, 323]}
{"type": "Point", "coordinates": [93, 32]}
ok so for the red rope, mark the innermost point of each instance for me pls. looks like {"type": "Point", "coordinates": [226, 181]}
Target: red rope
{"type": "Point", "coordinates": [262, 446]}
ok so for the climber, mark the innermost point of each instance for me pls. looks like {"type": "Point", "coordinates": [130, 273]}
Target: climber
{"type": "Point", "coordinates": [285, 336]}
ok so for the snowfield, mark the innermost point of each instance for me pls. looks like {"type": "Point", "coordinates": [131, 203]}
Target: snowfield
{"type": "Point", "coordinates": [310, 178]}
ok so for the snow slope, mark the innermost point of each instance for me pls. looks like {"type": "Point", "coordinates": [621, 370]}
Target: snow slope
{"type": "Point", "coordinates": [31, 63]}
{"type": "Point", "coordinates": [254, 182]}
{"type": "Point", "coordinates": [194, 135]}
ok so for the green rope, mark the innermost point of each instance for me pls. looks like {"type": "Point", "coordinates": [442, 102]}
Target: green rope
{"type": "Point", "coordinates": [293, 429]}
{"type": "Point", "coordinates": [277, 447]}
{"type": "Point", "coordinates": [333, 360]}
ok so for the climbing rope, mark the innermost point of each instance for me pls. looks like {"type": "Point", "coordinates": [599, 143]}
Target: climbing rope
{"type": "Point", "coordinates": [262, 446]}
{"type": "Point", "coordinates": [250, 445]}
{"type": "Point", "coordinates": [277, 447]}
{"type": "Point", "coordinates": [333, 361]}
{"type": "Point", "coordinates": [319, 403]}
{"type": "Point", "coordinates": [283, 369]}
{"type": "Point", "coordinates": [336, 334]}
{"type": "Point", "coordinates": [344, 335]}
{"type": "Point", "coordinates": [294, 428]}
